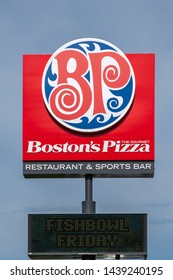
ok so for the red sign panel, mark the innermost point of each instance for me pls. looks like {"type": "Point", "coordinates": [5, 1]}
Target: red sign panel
{"type": "Point", "coordinates": [71, 128]}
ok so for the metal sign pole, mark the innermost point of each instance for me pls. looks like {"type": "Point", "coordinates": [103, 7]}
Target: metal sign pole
{"type": "Point", "coordinates": [88, 206]}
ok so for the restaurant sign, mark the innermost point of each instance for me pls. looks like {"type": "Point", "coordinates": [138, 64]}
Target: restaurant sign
{"type": "Point", "coordinates": [88, 108]}
{"type": "Point", "coordinates": [52, 235]}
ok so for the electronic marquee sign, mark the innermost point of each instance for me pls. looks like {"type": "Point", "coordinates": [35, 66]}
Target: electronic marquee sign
{"type": "Point", "coordinates": [52, 235]}
{"type": "Point", "coordinates": [88, 109]}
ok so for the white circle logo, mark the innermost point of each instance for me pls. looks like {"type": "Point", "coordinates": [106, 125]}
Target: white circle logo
{"type": "Point", "coordinates": [88, 85]}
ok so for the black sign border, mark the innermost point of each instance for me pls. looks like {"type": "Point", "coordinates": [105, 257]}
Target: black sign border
{"type": "Point", "coordinates": [72, 255]}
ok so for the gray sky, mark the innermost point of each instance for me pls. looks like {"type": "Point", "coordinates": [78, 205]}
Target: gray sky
{"type": "Point", "coordinates": [41, 27]}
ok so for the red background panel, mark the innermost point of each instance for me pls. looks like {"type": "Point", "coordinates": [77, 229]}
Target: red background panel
{"type": "Point", "coordinates": [137, 125]}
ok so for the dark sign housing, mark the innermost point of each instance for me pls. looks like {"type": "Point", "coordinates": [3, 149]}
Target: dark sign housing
{"type": "Point", "coordinates": [52, 235]}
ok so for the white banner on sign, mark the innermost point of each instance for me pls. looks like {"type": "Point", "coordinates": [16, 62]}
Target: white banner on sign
{"type": "Point", "coordinates": [81, 270]}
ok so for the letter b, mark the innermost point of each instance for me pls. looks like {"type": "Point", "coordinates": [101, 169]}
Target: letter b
{"type": "Point", "coordinates": [34, 147]}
